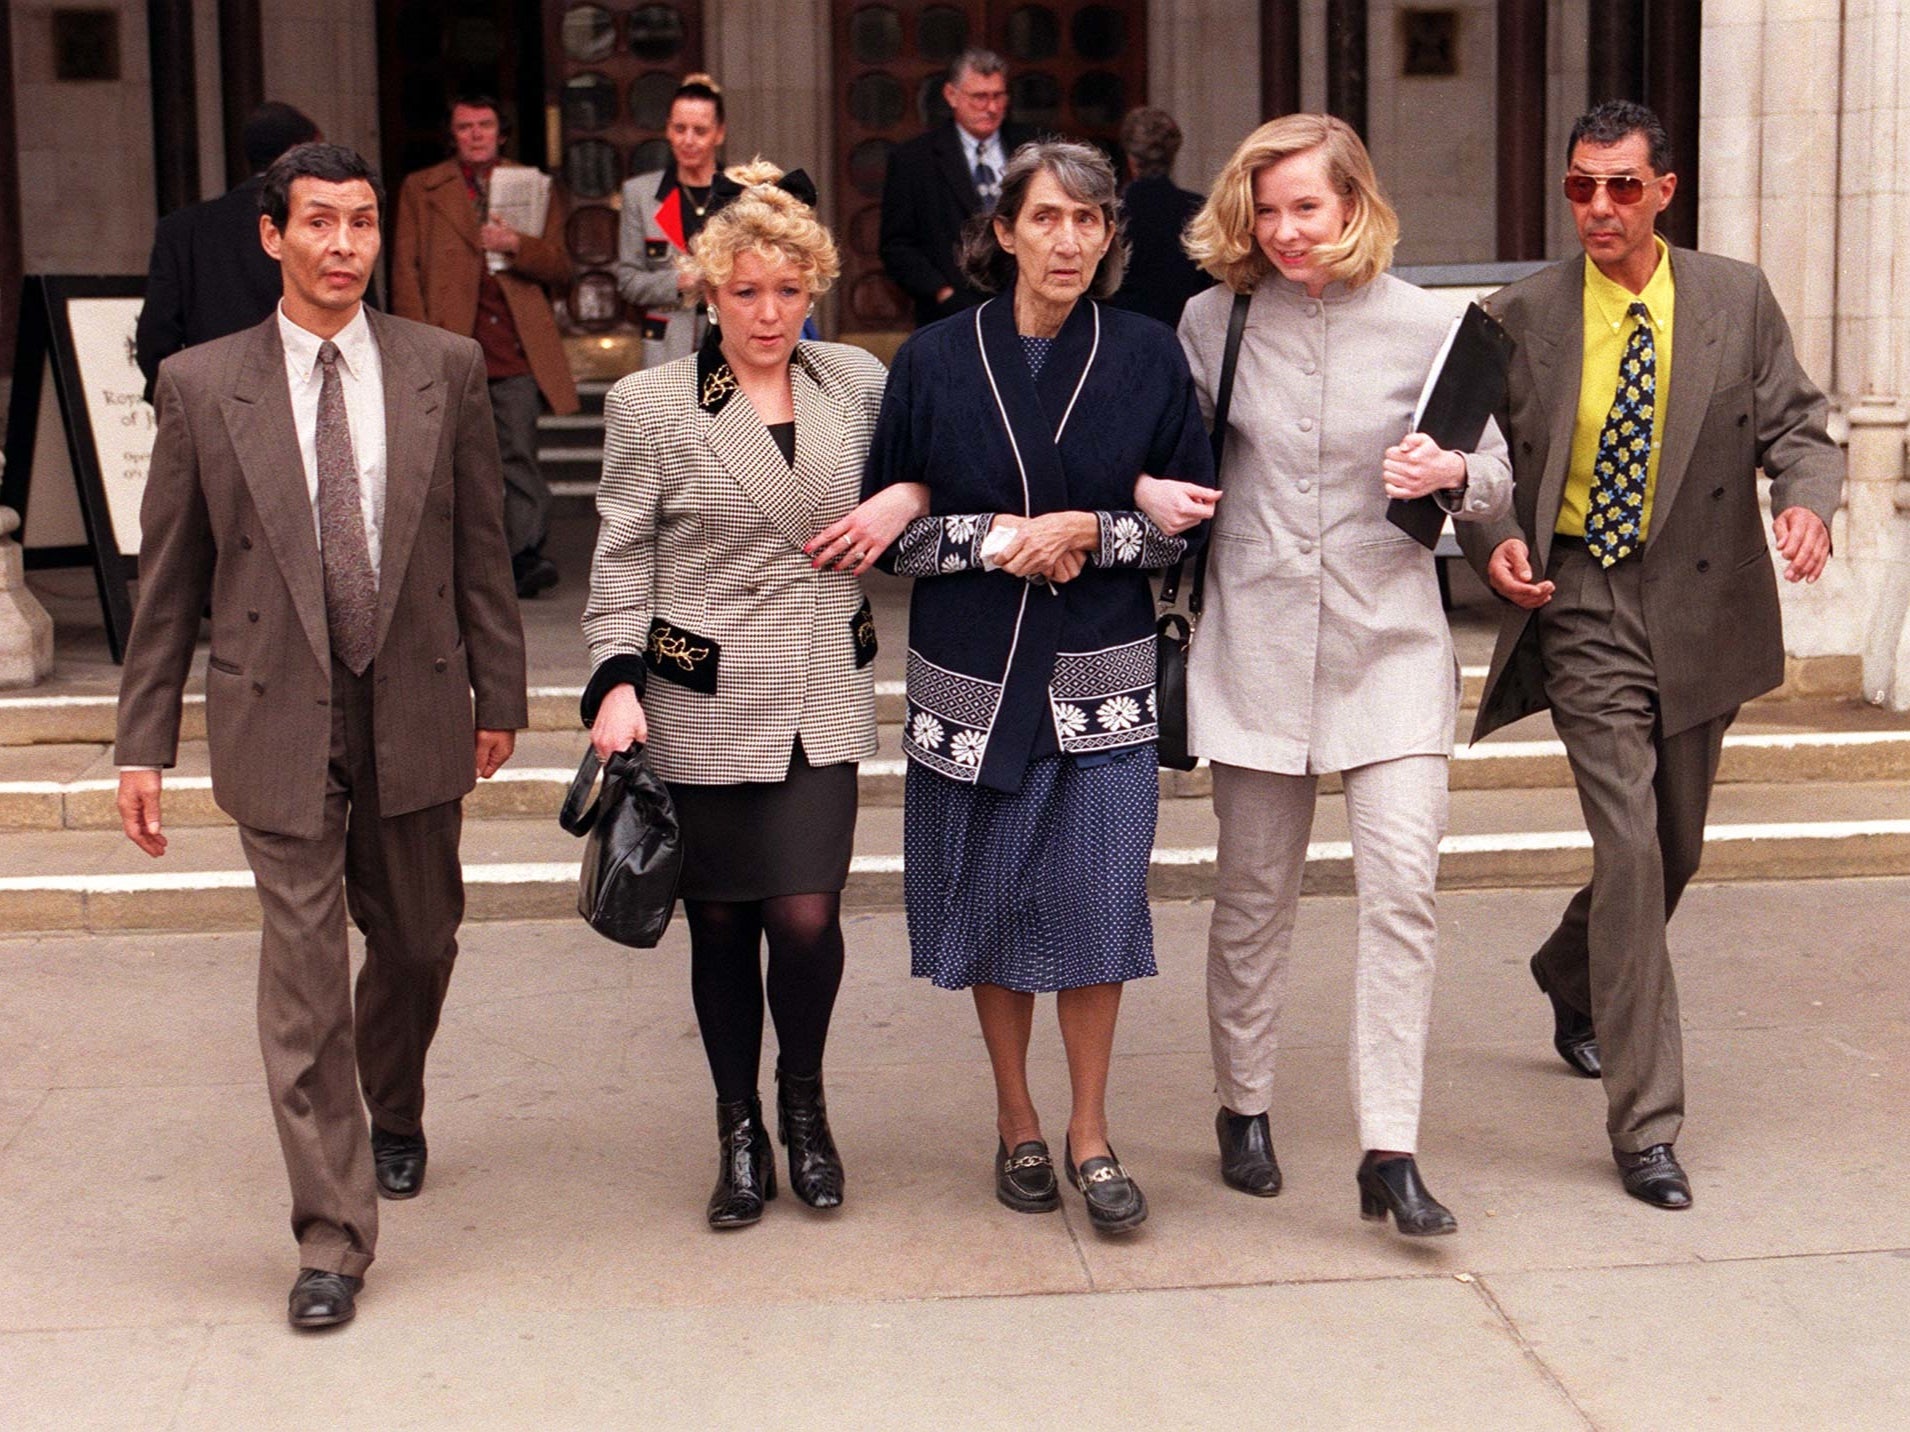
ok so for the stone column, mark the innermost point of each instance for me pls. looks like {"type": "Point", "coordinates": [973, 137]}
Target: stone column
{"type": "Point", "coordinates": [1873, 352]}
{"type": "Point", "coordinates": [1202, 68]}
{"type": "Point", "coordinates": [26, 631]}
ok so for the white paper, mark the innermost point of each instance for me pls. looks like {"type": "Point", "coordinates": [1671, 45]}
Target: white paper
{"type": "Point", "coordinates": [1432, 375]}
{"type": "Point", "coordinates": [520, 197]}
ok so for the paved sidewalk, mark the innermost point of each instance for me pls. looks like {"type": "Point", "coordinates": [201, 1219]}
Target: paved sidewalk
{"type": "Point", "coordinates": [556, 1272]}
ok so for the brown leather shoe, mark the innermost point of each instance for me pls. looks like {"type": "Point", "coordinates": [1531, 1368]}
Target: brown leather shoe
{"type": "Point", "coordinates": [322, 1299]}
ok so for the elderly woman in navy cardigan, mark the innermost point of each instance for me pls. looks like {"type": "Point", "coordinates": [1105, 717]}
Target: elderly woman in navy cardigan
{"type": "Point", "coordinates": [1031, 792]}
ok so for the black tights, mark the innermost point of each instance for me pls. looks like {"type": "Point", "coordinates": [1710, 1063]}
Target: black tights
{"type": "Point", "coordinates": [726, 983]}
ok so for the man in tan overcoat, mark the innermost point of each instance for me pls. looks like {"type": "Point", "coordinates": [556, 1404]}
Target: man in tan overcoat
{"type": "Point", "coordinates": [443, 273]}
{"type": "Point", "coordinates": [1648, 388]}
{"type": "Point", "coordinates": [326, 484]}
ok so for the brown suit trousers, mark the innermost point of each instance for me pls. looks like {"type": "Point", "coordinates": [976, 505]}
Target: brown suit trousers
{"type": "Point", "coordinates": [399, 879]}
{"type": "Point", "coordinates": [1645, 796]}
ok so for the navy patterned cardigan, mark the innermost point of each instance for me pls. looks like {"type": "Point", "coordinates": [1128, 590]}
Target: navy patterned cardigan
{"type": "Point", "coordinates": [1002, 671]}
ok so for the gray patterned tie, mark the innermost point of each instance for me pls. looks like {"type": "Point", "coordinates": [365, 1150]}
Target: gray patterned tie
{"type": "Point", "coordinates": [351, 587]}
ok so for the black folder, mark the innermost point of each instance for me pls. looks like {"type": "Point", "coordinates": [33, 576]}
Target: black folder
{"type": "Point", "coordinates": [1466, 388]}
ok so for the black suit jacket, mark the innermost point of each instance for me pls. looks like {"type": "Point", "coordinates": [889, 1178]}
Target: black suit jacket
{"type": "Point", "coordinates": [927, 195]}
{"type": "Point", "coordinates": [1160, 277]}
{"type": "Point", "coordinates": [208, 276]}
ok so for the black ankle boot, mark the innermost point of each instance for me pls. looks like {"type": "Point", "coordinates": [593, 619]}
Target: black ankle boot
{"type": "Point", "coordinates": [1394, 1186]}
{"type": "Point", "coordinates": [815, 1168]}
{"type": "Point", "coordinates": [746, 1168]}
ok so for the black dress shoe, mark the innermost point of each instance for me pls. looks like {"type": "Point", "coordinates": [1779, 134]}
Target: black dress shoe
{"type": "Point", "coordinates": [1572, 1033]}
{"type": "Point", "coordinates": [1393, 1186]}
{"type": "Point", "coordinates": [399, 1162]}
{"type": "Point", "coordinates": [1654, 1176]}
{"type": "Point", "coordinates": [534, 573]}
{"type": "Point", "coordinates": [746, 1168]}
{"type": "Point", "coordinates": [1115, 1201]}
{"type": "Point", "coordinates": [1024, 1179]}
{"type": "Point", "coordinates": [321, 1299]}
{"type": "Point", "coordinates": [1246, 1153]}
{"type": "Point", "coordinates": [802, 1122]}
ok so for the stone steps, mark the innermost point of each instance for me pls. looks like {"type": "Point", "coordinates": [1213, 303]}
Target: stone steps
{"type": "Point", "coordinates": [526, 868]}
{"type": "Point", "coordinates": [72, 786]}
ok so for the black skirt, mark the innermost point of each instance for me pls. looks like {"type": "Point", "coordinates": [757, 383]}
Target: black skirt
{"type": "Point", "coordinates": [754, 840]}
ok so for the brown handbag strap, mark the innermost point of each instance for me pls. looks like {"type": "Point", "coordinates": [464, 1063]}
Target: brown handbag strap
{"type": "Point", "coordinates": [1223, 404]}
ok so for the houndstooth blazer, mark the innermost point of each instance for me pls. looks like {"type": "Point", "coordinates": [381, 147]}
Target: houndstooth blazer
{"type": "Point", "coordinates": [700, 594]}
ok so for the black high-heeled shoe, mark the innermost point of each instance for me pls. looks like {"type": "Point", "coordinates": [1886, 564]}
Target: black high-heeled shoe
{"type": "Point", "coordinates": [1394, 1186]}
{"type": "Point", "coordinates": [1115, 1201]}
{"type": "Point", "coordinates": [1246, 1153]}
{"type": "Point", "coordinates": [802, 1123]}
{"type": "Point", "coordinates": [746, 1167]}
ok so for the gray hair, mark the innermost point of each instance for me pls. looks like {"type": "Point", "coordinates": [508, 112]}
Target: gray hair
{"type": "Point", "coordinates": [1151, 139]}
{"type": "Point", "coordinates": [975, 61]}
{"type": "Point", "coordinates": [1085, 176]}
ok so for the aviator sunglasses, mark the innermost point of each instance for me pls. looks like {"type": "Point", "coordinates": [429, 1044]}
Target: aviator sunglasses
{"type": "Point", "coordinates": [1624, 188]}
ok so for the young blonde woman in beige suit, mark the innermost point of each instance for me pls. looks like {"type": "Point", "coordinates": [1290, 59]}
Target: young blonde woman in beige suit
{"type": "Point", "coordinates": [742, 664]}
{"type": "Point", "coordinates": [1323, 647]}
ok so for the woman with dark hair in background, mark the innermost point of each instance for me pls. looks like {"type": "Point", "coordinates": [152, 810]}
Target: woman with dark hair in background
{"type": "Point", "coordinates": [663, 212]}
{"type": "Point", "coordinates": [1160, 277]}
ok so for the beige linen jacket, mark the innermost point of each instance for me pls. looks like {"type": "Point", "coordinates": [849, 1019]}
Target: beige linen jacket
{"type": "Point", "coordinates": [1323, 645]}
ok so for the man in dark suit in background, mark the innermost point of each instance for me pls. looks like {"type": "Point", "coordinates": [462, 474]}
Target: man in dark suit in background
{"type": "Point", "coordinates": [937, 180]}
{"type": "Point", "coordinates": [1160, 278]}
{"type": "Point", "coordinates": [1648, 387]}
{"type": "Point", "coordinates": [329, 480]}
{"type": "Point", "coordinates": [209, 275]}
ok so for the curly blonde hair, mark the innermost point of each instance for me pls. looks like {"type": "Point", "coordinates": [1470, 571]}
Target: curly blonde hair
{"type": "Point", "coordinates": [1220, 237]}
{"type": "Point", "coordinates": [769, 222]}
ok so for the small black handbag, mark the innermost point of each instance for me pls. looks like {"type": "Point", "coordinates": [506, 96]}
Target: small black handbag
{"type": "Point", "coordinates": [1174, 633]}
{"type": "Point", "coordinates": [634, 848]}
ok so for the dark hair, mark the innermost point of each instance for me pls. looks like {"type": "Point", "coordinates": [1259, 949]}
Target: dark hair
{"type": "Point", "coordinates": [1151, 139]}
{"type": "Point", "coordinates": [480, 101]}
{"type": "Point", "coordinates": [332, 163]}
{"type": "Point", "coordinates": [1616, 120]}
{"type": "Point", "coordinates": [701, 86]}
{"type": "Point", "coordinates": [1084, 174]}
{"type": "Point", "coordinates": [270, 130]}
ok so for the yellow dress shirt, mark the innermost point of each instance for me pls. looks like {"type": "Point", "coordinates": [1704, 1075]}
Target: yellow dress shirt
{"type": "Point", "coordinates": [1608, 327]}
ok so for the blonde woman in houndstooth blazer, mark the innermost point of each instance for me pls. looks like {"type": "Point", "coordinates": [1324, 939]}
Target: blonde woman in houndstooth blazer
{"type": "Point", "coordinates": [743, 662]}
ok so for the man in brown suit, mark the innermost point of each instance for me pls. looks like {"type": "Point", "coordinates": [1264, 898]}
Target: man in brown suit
{"type": "Point", "coordinates": [454, 266]}
{"type": "Point", "coordinates": [328, 482]}
{"type": "Point", "coordinates": [1648, 388]}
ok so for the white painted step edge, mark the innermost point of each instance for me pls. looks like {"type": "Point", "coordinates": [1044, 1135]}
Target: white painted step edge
{"type": "Point", "coordinates": [565, 872]}
{"type": "Point", "coordinates": [895, 766]}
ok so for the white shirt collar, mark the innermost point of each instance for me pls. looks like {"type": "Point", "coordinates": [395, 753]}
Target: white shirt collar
{"type": "Point", "coordinates": [354, 340]}
{"type": "Point", "coordinates": [978, 149]}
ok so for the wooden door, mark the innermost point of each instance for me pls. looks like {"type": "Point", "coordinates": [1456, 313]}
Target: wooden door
{"type": "Point", "coordinates": [1074, 68]}
{"type": "Point", "coordinates": [612, 67]}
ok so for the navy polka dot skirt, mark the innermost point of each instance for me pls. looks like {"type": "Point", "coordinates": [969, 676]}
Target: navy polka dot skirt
{"type": "Point", "coordinates": [1045, 889]}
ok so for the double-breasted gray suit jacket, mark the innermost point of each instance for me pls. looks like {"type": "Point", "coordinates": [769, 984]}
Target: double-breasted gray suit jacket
{"type": "Point", "coordinates": [227, 517]}
{"type": "Point", "coordinates": [1739, 401]}
{"type": "Point", "coordinates": [700, 574]}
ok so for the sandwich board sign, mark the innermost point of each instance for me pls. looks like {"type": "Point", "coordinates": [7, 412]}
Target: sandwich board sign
{"type": "Point", "coordinates": [80, 434]}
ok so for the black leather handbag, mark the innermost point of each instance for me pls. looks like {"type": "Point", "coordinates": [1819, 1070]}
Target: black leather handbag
{"type": "Point", "coordinates": [1174, 633]}
{"type": "Point", "coordinates": [633, 848]}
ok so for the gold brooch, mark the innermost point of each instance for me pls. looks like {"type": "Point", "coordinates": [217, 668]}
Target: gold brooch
{"type": "Point", "coordinates": [665, 645]}
{"type": "Point", "coordinates": [718, 386]}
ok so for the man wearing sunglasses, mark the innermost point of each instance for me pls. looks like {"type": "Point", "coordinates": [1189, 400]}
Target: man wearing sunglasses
{"type": "Point", "coordinates": [1648, 387]}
